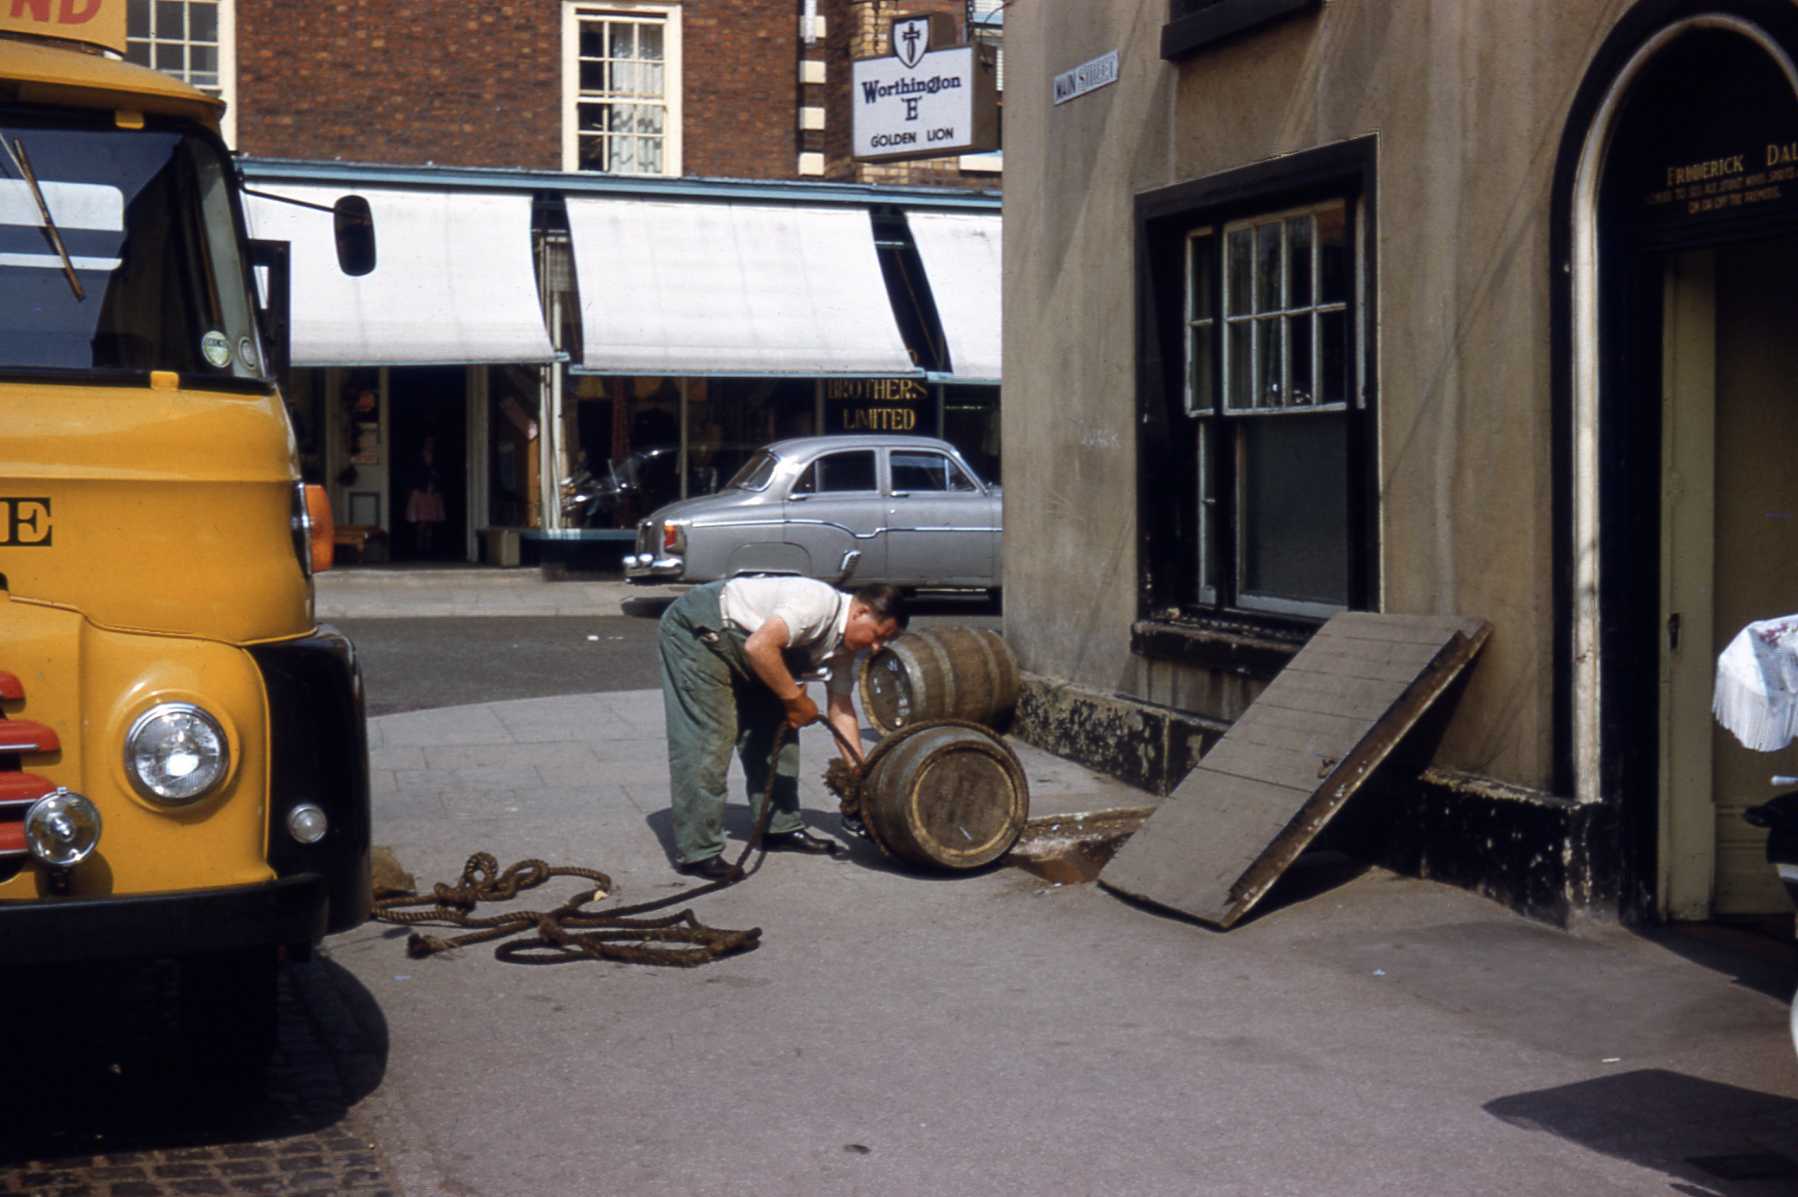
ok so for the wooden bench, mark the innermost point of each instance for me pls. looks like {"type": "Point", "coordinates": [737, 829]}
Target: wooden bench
{"type": "Point", "coordinates": [358, 538]}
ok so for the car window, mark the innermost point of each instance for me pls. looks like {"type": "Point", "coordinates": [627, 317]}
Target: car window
{"type": "Point", "coordinates": [925, 471]}
{"type": "Point", "coordinates": [835, 473]}
{"type": "Point", "coordinates": [755, 473]}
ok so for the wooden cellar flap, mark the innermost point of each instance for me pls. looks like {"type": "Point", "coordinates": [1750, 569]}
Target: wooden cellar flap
{"type": "Point", "coordinates": [1284, 769]}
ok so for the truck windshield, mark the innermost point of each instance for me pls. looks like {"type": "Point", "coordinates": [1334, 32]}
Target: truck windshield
{"type": "Point", "coordinates": [144, 218]}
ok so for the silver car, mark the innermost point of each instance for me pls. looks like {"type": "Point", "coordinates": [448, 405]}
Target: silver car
{"type": "Point", "coordinates": [853, 510]}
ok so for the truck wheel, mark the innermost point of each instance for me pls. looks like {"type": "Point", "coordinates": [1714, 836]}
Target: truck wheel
{"type": "Point", "coordinates": [229, 1015]}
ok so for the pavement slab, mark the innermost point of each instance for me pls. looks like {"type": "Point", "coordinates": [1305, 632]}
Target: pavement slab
{"type": "Point", "coordinates": [990, 1032]}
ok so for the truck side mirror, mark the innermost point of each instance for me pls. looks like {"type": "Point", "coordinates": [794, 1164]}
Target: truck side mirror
{"type": "Point", "coordinates": [354, 225]}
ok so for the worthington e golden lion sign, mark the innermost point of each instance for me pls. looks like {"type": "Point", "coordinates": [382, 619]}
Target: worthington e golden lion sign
{"type": "Point", "coordinates": [97, 22]}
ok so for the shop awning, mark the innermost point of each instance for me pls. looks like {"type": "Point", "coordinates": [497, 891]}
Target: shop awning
{"type": "Point", "coordinates": [961, 256]}
{"type": "Point", "coordinates": [727, 289]}
{"type": "Point", "coordinates": [453, 282]}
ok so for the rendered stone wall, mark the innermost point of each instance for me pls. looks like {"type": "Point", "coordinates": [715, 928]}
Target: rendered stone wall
{"type": "Point", "coordinates": [1468, 104]}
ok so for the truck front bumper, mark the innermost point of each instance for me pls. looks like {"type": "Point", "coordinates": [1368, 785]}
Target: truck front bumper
{"type": "Point", "coordinates": [288, 910]}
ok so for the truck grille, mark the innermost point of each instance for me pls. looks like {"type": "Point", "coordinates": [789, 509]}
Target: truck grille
{"type": "Point", "coordinates": [19, 738]}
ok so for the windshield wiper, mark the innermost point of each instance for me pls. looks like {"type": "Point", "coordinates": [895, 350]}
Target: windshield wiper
{"type": "Point", "coordinates": [22, 164]}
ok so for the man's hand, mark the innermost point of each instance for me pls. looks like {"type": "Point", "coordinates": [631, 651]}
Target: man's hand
{"type": "Point", "coordinates": [801, 710]}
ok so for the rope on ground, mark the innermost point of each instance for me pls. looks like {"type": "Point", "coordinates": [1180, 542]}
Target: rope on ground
{"type": "Point", "coordinates": [571, 932]}
{"type": "Point", "coordinates": [568, 932]}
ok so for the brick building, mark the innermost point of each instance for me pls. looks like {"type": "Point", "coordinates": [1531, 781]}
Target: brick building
{"type": "Point", "coordinates": [629, 233]}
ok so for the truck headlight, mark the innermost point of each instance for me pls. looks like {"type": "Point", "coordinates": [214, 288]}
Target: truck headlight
{"type": "Point", "coordinates": [176, 753]}
{"type": "Point", "coordinates": [62, 828]}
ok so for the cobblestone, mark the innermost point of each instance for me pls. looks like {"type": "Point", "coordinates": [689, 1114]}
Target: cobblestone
{"type": "Point", "coordinates": [137, 1121]}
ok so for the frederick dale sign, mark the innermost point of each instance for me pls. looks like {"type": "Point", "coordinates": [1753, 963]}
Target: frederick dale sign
{"type": "Point", "coordinates": [925, 102]}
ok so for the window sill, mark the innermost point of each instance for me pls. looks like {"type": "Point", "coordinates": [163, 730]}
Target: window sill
{"type": "Point", "coordinates": [1227, 650]}
{"type": "Point", "coordinates": [1184, 35]}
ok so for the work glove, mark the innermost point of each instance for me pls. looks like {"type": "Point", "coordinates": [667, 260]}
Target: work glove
{"type": "Point", "coordinates": [801, 710]}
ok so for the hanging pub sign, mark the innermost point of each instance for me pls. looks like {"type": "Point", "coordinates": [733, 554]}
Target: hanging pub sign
{"type": "Point", "coordinates": [879, 405]}
{"type": "Point", "coordinates": [96, 22]}
{"type": "Point", "coordinates": [930, 97]}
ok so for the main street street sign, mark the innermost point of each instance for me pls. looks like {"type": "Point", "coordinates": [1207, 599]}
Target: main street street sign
{"type": "Point", "coordinates": [922, 103]}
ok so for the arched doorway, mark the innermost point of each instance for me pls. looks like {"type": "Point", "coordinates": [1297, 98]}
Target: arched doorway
{"type": "Point", "coordinates": [1677, 323]}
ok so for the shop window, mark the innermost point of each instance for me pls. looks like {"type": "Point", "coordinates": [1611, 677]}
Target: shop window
{"type": "Point", "coordinates": [1257, 468]}
{"type": "Point", "coordinates": [622, 88]}
{"type": "Point", "coordinates": [514, 473]}
{"type": "Point", "coordinates": [971, 424]}
{"type": "Point", "coordinates": [305, 397]}
{"type": "Point", "coordinates": [729, 419]}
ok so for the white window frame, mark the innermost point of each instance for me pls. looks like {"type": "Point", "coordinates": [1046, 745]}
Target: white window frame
{"type": "Point", "coordinates": [577, 11]}
{"type": "Point", "coordinates": [227, 62]}
{"type": "Point", "coordinates": [1217, 411]}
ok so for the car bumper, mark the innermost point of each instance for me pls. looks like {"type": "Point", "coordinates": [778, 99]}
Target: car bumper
{"type": "Point", "coordinates": [289, 910]}
{"type": "Point", "coordinates": [647, 568]}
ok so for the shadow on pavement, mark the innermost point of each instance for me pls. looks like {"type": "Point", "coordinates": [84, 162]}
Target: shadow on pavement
{"type": "Point", "coordinates": [1754, 959]}
{"type": "Point", "coordinates": [646, 607]}
{"type": "Point", "coordinates": [738, 827]}
{"type": "Point", "coordinates": [1718, 1139]}
{"type": "Point", "coordinates": [1312, 875]}
{"type": "Point", "coordinates": [98, 1065]}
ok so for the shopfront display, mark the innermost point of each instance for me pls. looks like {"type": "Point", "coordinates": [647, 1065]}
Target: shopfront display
{"type": "Point", "coordinates": [626, 346]}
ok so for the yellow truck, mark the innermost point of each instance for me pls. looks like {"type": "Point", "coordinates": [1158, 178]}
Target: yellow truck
{"type": "Point", "coordinates": [183, 752]}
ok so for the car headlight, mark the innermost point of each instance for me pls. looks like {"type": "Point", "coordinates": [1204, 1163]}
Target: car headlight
{"type": "Point", "coordinates": [674, 538]}
{"type": "Point", "coordinates": [176, 753]}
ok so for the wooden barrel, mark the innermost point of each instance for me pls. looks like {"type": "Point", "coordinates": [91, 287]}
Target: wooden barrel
{"type": "Point", "coordinates": [941, 673]}
{"type": "Point", "coordinates": [950, 796]}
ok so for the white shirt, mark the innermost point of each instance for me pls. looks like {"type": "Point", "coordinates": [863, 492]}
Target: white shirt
{"type": "Point", "coordinates": [815, 614]}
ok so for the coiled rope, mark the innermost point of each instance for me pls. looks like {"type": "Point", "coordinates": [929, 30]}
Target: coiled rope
{"type": "Point", "coordinates": [571, 931]}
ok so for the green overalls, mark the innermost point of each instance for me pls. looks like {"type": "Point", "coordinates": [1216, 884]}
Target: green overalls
{"type": "Point", "coordinates": [714, 701]}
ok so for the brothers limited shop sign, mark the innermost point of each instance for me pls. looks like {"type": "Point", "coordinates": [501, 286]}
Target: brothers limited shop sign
{"type": "Point", "coordinates": [919, 102]}
{"type": "Point", "coordinates": [878, 405]}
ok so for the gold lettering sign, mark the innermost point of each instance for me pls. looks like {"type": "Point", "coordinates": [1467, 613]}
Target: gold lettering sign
{"type": "Point", "coordinates": [98, 22]}
{"type": "Point", "coordinates": [1730, 181]}
{"type": "Point", "coordinates": [880, 419]}
{"type": "Point", "coordinates": [875, 390]}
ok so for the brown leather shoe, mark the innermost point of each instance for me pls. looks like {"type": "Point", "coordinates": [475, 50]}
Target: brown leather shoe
{"type": "Point", "coordinates": [712, 868]}
{"type": "Point", "coordinates": [801, 841]}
